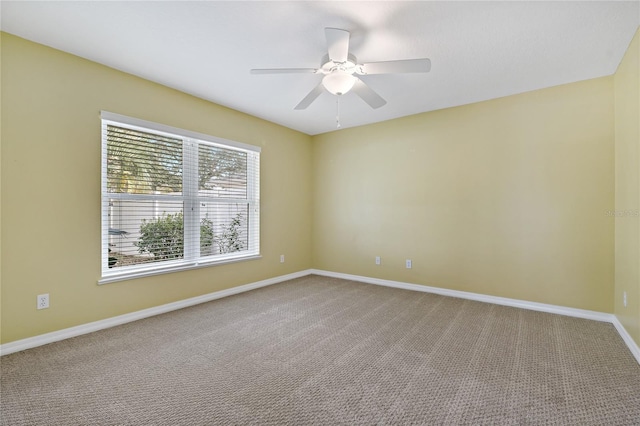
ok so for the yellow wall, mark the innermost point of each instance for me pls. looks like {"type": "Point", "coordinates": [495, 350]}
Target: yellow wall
{"type": "Point", "coordinates": [505, 197]}
{"type": "Point", "coordinates": [51, 103]}
{"type": "Point", "coordinates": [0, 188]}
{"type": "Point", "coordinates": [627, 154]}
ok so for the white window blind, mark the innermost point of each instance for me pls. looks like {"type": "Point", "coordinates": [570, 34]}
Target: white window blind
{"type": "Point", "coordinates": [174, 199]}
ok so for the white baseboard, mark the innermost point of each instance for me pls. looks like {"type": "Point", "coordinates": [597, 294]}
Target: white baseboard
{"type": "Point", "coordinates": [43, 339]}
{"type": "Point", "coordinates": [534, 306]}
{"type": "Point", "coordinates": [633, 347]}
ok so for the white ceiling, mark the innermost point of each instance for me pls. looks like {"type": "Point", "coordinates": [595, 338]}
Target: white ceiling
{"type": "Point", "coordinates": [478, 50]}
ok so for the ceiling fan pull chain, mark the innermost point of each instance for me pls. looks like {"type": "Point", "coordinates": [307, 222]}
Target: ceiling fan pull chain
{"type": "Point", "coordinates": [338, 112]}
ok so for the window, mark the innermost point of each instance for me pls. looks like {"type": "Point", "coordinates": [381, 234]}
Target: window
{"type": "Point", "coordinates": [174, 199]}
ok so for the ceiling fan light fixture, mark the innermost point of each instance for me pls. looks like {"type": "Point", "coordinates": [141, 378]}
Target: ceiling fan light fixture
{"type": "Point", "coordinates": [338, 82]}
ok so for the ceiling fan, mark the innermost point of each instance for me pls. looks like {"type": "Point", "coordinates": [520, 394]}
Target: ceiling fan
{"type": "Point", "coordinates": [340, 68]}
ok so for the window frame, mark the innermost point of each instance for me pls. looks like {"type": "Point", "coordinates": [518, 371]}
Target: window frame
{"type": "Point", "coordinates": [190, 198]}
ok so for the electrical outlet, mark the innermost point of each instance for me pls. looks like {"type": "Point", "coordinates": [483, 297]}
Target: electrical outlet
{"type": "Point", "coordinates": [624, 298]}
{"type": "Point", "coordinates": [408, 263]}
{"type": "Point", "coordinates": [377, 260]}
{"type": "Point", "coordinates": [282, 258]}
{"type": "Point", "coordinates": [42, 301]}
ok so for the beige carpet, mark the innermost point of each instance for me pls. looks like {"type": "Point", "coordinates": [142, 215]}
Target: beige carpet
{"type": "Point", "coordinates": [318, 350]}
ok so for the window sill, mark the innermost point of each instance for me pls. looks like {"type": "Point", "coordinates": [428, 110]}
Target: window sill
{"type": "Point", "coordinates": [115, 277]}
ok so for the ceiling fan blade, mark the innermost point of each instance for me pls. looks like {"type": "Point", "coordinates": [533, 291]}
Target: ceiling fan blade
{"type": "Point", "coordinates": [315, 92]}
{"type": "Point", "coordinates": [284, 70]}
{"type": "Point", "coordinates": [392, 67]}
{"type": "Point", "coordinates": [337, 44]}
{"type": "Point", "coordinates": [367, 94]}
